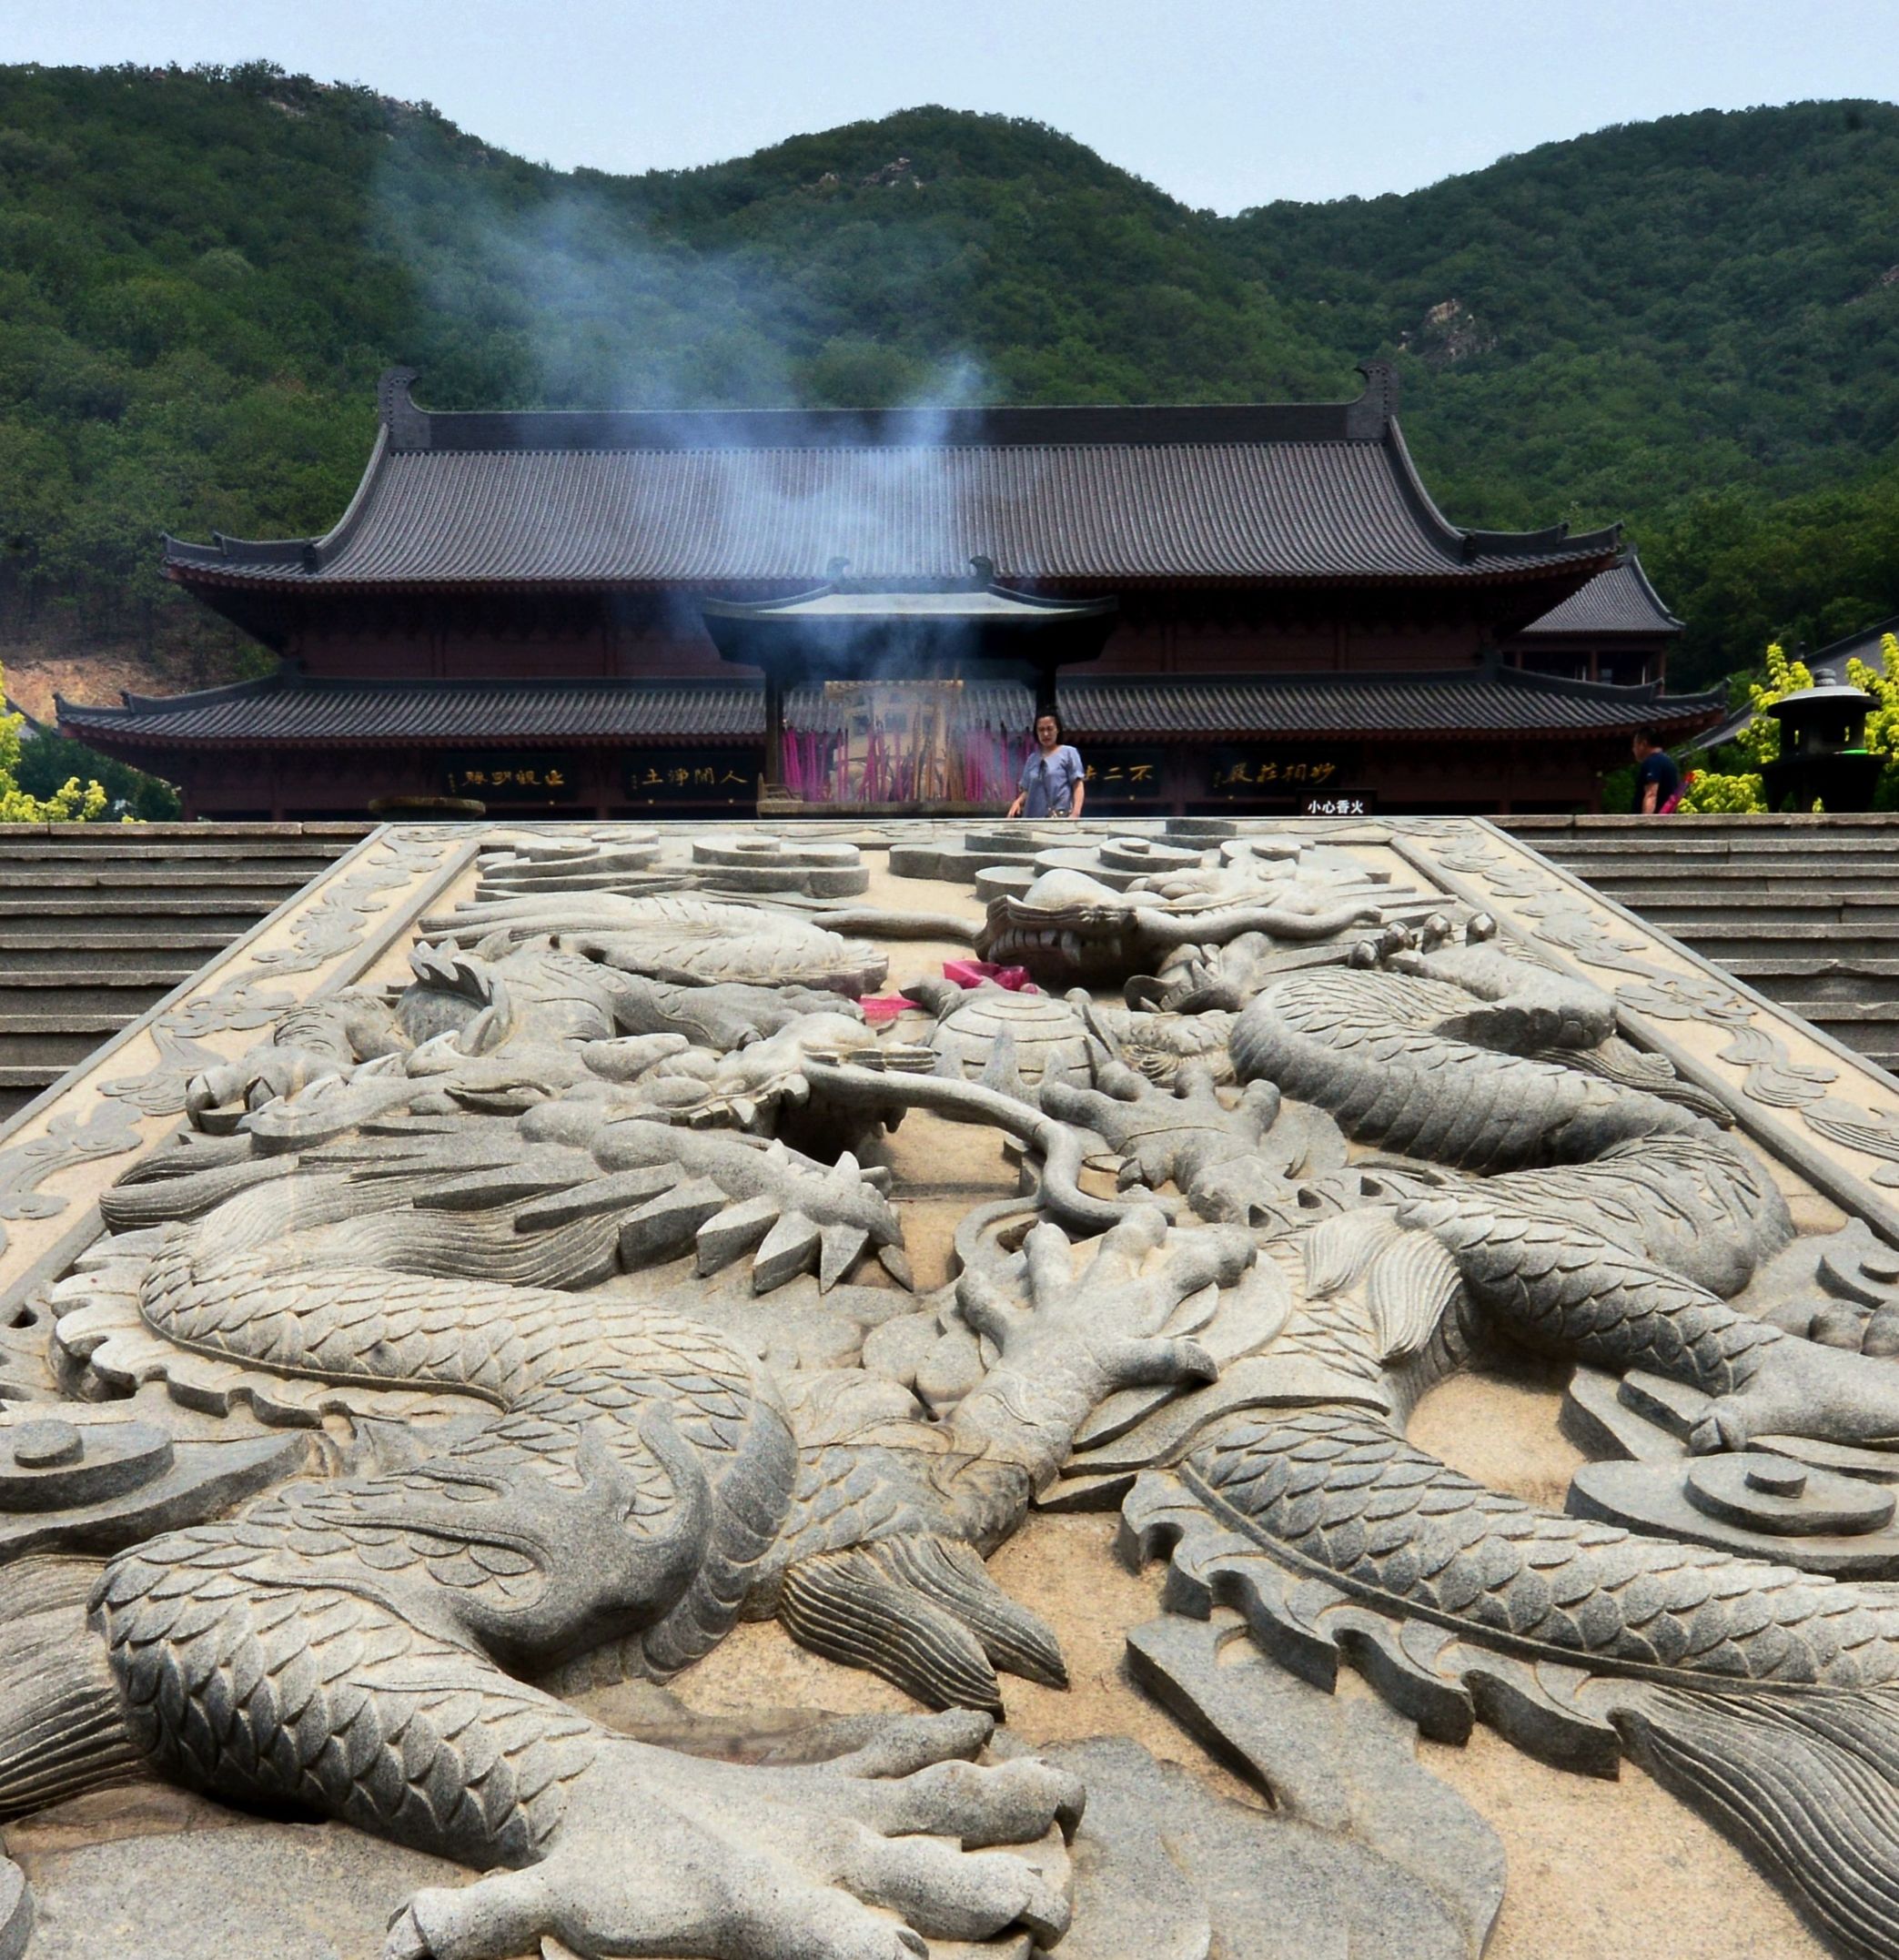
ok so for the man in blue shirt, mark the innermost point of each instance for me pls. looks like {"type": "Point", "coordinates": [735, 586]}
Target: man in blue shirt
{"type": "Point", "coordinates": [1051, 783]}
{"type": "Point", "coordinates": [1657, 783]}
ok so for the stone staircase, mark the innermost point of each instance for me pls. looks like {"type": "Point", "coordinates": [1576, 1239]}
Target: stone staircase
{"type": "Point", "coordinates": [1803, 908]}
{"type": "Point", "coordinates": [98, 923]}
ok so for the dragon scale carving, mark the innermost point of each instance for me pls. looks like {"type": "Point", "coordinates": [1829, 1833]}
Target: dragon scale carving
{"type": "Point", "coordinates": [562, 1296]}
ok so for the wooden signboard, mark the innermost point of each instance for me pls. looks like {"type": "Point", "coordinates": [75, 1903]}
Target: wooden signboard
{"type": "Point", "coordinates": [1125, 775]}
{"type": "Point", "coordinates": [728, 776]}
{"type": "Point", "coordinates": [503, 776]}
{"type": "Point", "coordinates": [1272, 773]}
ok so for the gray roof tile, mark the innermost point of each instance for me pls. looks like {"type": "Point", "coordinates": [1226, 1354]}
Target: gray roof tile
{"type": "Point", "coordinates": [1619, 600]}
{"type": "Point", "coordinates": [293, 711]}
{"type": "Point", "coordinates": [1302, 492]}
{"type": "Point", "coordinates": [1828, 664]}
{"type": "Point", "coordinates": [1831, 661]}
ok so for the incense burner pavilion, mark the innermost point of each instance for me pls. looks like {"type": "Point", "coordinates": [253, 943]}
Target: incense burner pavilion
{"type": "Point", "coordinates": [567, 614]}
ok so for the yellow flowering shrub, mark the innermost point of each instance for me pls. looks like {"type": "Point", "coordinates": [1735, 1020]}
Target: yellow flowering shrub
{"type": "Point", "coordinates": [1707, 793]}
{"type": "Point", "coordinates": [1712, 792]}
{"type": "Point", "coordinates": [1882, 683]}
{"type": "Point", "coordinates": [1760, 741]}
{"type": "Point", "coordinates": [72, 802]}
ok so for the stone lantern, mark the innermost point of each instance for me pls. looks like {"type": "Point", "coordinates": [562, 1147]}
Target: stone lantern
{"type": "Point", "coordinates": [1824, 752]}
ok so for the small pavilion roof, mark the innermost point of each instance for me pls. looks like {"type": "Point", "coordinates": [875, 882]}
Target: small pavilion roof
{"type": "Point", "coordinates": [971, 627]}
{"type": "Point", "coordinates": [977, 602]}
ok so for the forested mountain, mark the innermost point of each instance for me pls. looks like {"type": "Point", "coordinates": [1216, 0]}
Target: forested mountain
{"type": "Point", "coordinates": [1692, 324]}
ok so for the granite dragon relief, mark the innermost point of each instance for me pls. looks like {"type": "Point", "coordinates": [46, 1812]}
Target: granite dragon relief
{"type": "Point", "coordinates": [507, 1246]}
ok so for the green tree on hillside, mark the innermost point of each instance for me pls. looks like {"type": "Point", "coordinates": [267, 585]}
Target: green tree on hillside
{"type": "Point", "coordinates": [72, 801]}
{"type": "Point", "coordinates": [1691, 325]}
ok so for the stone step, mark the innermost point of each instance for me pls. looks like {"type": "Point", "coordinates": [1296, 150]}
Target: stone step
{"type": "Point", "coordinates": [1718, 874]}
{"type": "Point", "coordinates": [28, 1076]}
{"type": "Point", "coordinates": [1845, 834]}
{"type": "Point", "coordinates": [99, 921]}
{"type": "Point", "coordinates": [1833, 930]}
{"type": "Point", "coordinates": [78, 945]}
{"type": "Point", "coordinates": [126, 991]}
{"type": "Point", "coordinates": [204, 879]}
{"type": "Point", "coordinates": [1798, 982]}
{"type": "Point", "coordinates": [288, 858]}
{"type": "Point", "coordinates": [1694, 898]}
{"type": "Point", "coordinates": [124, 914]}
{"type": "Point", "coordinates": [1680, 910]}
{"type": "Point", "coordinates": [1869, 823]}
{"type": "Point", "coordinates": [19, 1085]}
{"type": "Point", "coordinates": [1685, 914]}
{"type": "Point", "coordinates": [1734, 881]}
{"type": "Point", "coordinates": [1804, 910]}
{"type": "Point", "coordinates": [1836, 1014]}
{"type": "Point", "coordinates": [1723, 874]}
{"type": "Point", "coordinates": [56, 1040]}
{"type": "Point", "coordinates": [347, 830]}
{"type": "Point", "coordinates": [1767, 850]}
{"type": "Point", "coordinates": [1673, 885]}
{"type": "Point", "coordinates": [156, 876]}
{"type": "Point", "coordinates": [1733, 954]}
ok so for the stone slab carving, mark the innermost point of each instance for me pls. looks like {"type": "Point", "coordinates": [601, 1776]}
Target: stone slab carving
{"type": "Point", "coordinates": [557, 1282]}
{"type": "Point", "coordinates": [1399, 1862]}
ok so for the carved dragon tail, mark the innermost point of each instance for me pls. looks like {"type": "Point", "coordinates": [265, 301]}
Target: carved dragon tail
{"type": "Point", "coordinates": [1766, 1698]}
{"type": "Point", "coordinates": [61, 1726]}
{"type": "Point", "coordinates": [1808, 1785]}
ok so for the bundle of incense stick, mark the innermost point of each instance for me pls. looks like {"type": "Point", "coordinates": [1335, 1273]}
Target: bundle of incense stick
{"type": "Point", "coordinates": [917, 749]}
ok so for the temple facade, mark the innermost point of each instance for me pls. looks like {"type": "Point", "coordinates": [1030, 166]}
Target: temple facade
{"type": "Point", "coordinates": [525, 610]}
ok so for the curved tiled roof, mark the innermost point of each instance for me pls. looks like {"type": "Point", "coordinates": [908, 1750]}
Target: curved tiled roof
{"type": "Point", "coordinates": [289, 710]}
{"type": "Point", "coordinates": [1475, 701]}
{"type": "Point", "coordinates": [1831, 661]}
{"type": "Point", "coordinates": [1320, 493]}
{"type": "Point", "coordinates": [1827, 666]}
{"type": "Point", "coordinates": [1619, 600]}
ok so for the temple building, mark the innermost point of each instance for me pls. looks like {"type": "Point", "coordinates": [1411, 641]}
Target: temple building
{"type": "Point", "coordinates": [560, 614]}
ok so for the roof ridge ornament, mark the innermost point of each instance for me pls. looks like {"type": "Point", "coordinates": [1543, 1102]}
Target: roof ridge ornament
{"type": "Point", "coordinates": [396, 410]}
{"type": "Point", "coordinates": [1366, 418]}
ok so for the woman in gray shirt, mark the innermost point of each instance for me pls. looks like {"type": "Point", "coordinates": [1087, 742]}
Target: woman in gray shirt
{"type": "Point", "coordinates": [1051, 779]}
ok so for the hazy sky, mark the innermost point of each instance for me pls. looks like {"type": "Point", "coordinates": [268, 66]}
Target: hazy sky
{"type": "Point", "coordinates": [1225, 103]}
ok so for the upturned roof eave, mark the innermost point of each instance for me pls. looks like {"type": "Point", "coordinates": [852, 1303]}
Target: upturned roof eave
{"type": "Point", "coordinates": [1559, 638]}
{"type": "Point", "coordinates": [1674, 623]}
{"type": "Point", "coordinates": [1449, 578]}
{"type": "Point", "coordinates": [117, 728]}
{"type": "Point", "coordinates": [153, 744]}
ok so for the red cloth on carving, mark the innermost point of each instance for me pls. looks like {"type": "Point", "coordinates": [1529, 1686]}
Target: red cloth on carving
{"type": "Point", "coordinates": [973, 973]}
